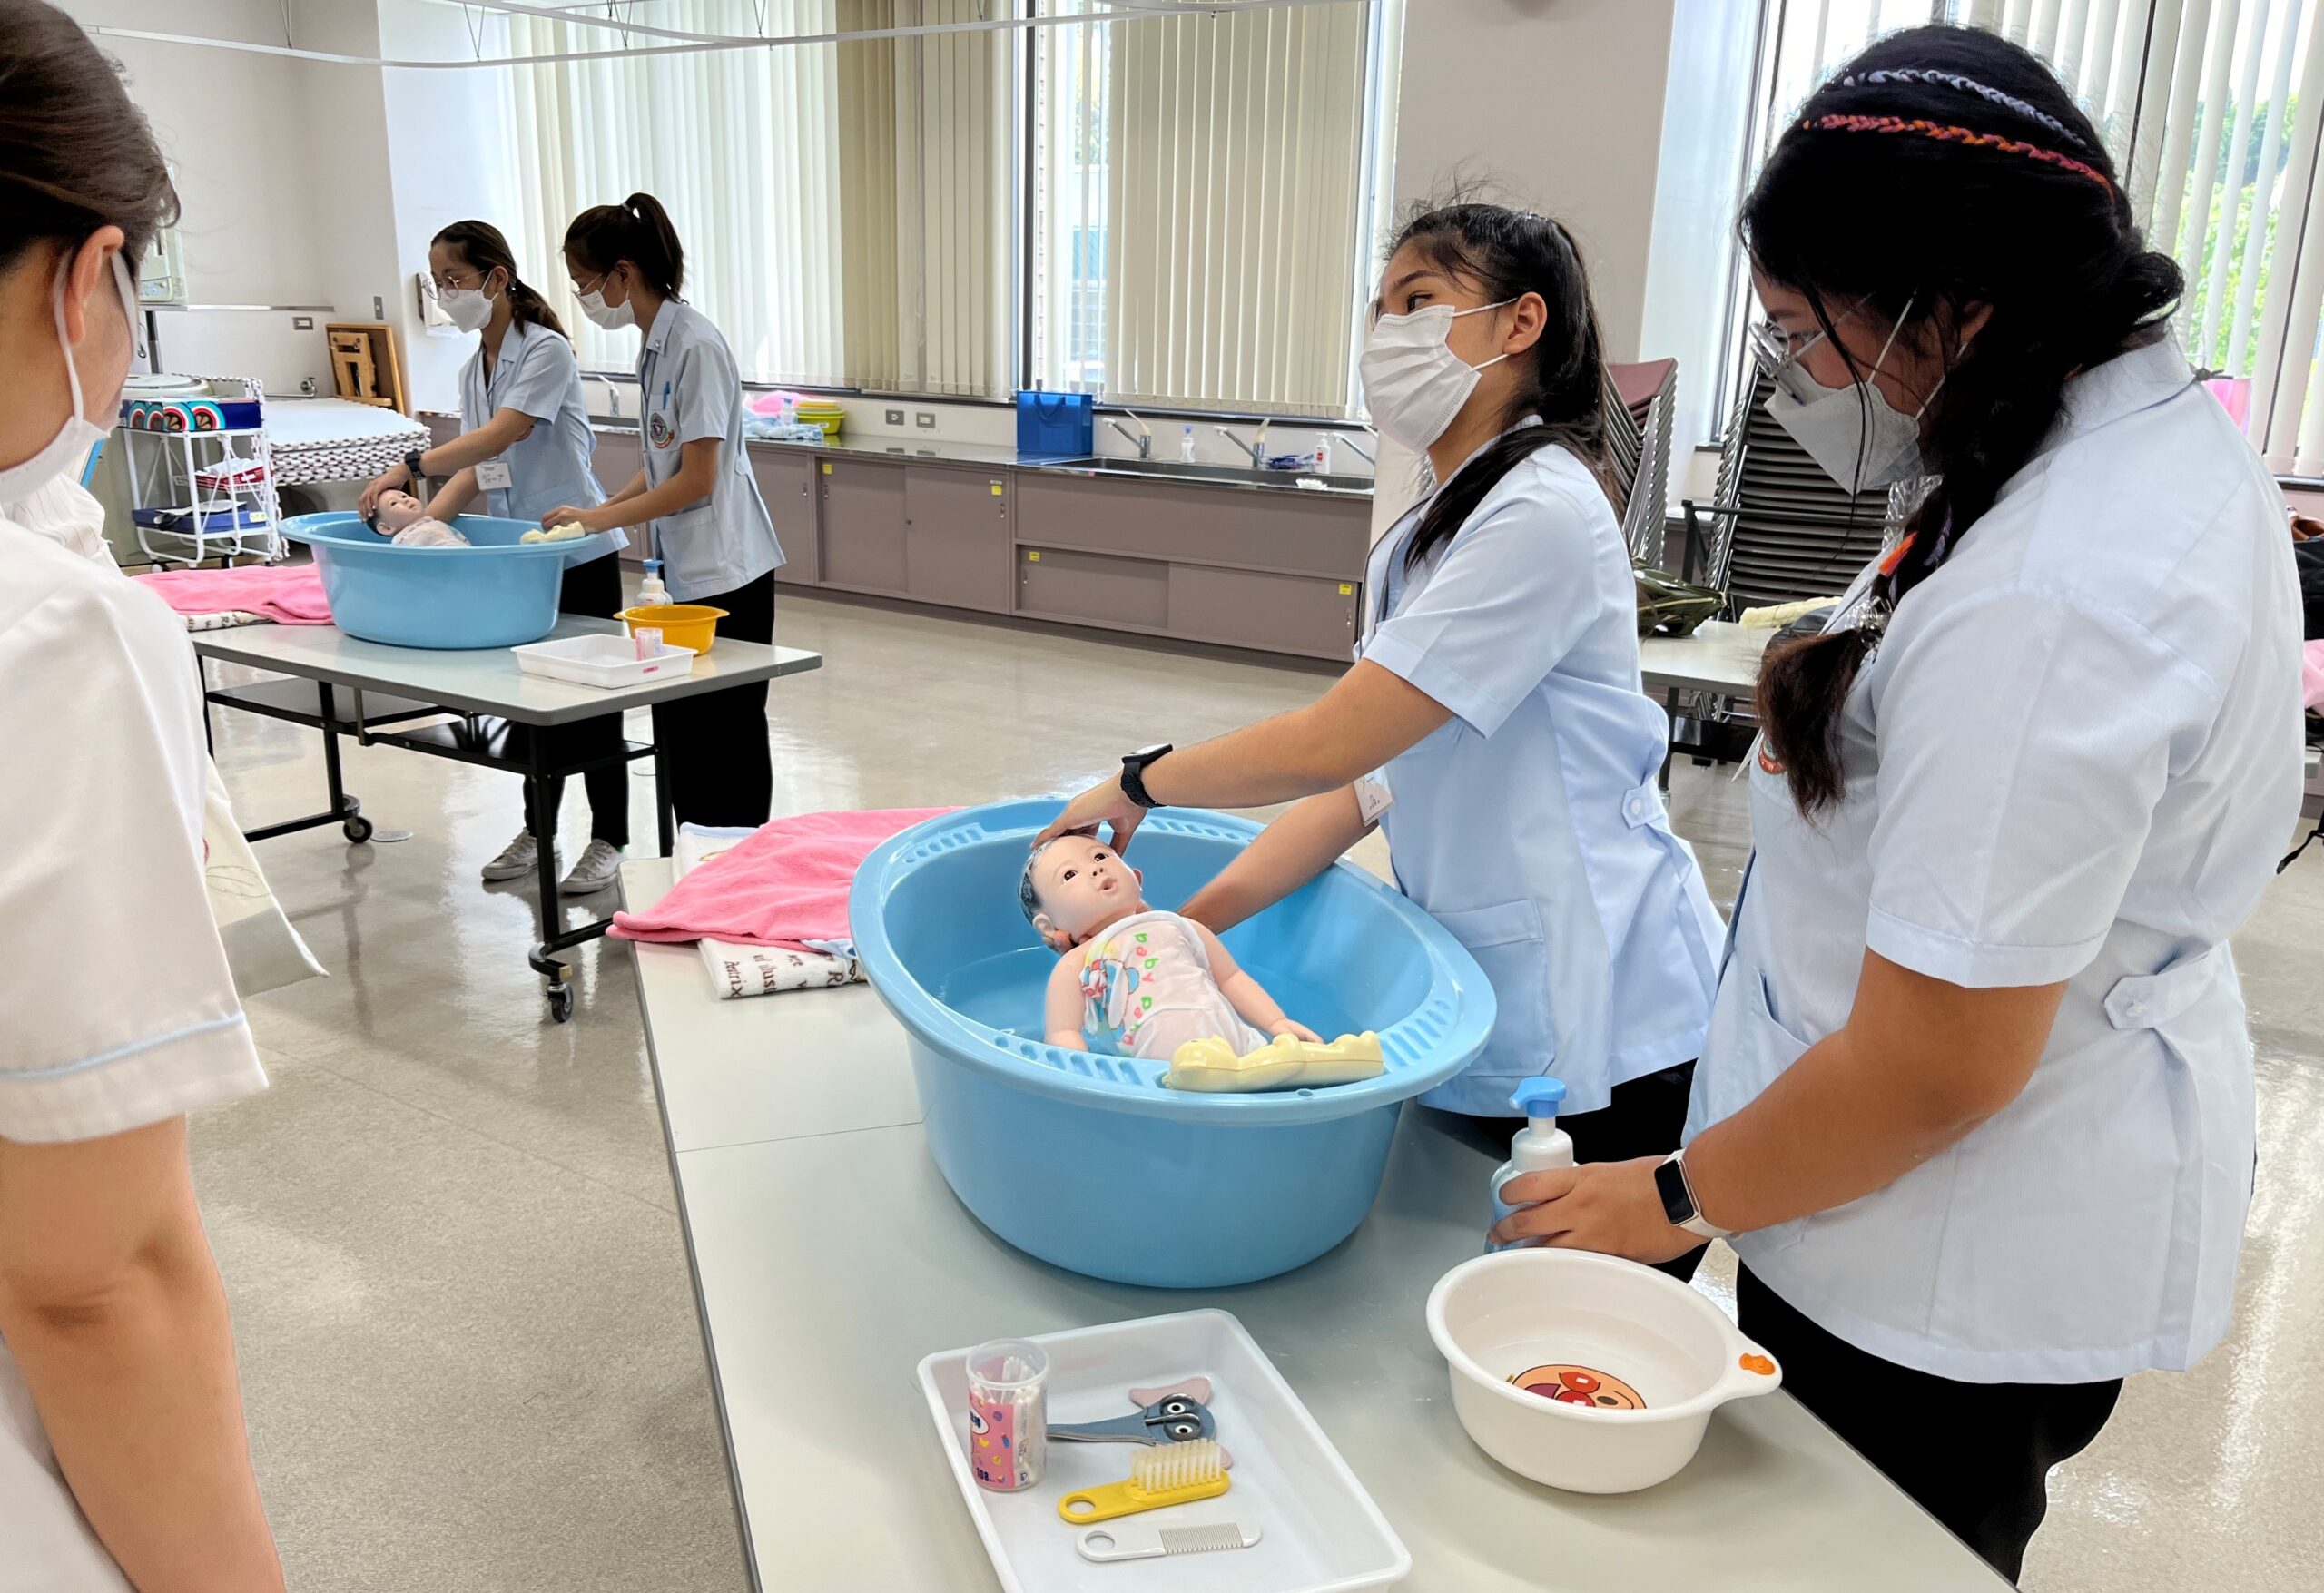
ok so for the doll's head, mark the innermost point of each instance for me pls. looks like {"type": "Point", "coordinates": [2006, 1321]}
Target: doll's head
{"type": "Point", "coordinates": [394, 511]}
{"type": "Point", "coordinates": [1075, 886]}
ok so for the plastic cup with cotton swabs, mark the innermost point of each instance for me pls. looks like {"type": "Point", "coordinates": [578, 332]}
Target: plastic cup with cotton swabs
{"type": "Point", "coordinates": [1008, 1415]}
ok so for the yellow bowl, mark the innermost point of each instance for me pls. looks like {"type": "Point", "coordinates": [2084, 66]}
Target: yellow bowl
{"type": "Point", "coordinates": [682, 624]}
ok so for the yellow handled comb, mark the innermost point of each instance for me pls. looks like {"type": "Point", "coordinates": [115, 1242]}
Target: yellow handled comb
{"type": "Point", "coordinates": [1167, 1474]}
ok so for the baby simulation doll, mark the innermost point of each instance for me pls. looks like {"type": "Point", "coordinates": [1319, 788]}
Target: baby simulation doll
{"type": "Point", "coordinates": [400, 517]}
{"type": "Point", "coordinates": [1132, 981]}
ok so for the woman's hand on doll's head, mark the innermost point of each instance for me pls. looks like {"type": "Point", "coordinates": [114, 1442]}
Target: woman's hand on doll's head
{"type": "Point", "coordinates": [1105, 805]}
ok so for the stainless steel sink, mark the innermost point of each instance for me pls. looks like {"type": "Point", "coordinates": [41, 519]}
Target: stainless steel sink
{"type": "Point", "coordinates": [1179, 470]}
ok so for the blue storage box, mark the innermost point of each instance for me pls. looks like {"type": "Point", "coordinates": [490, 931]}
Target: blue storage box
{"type": "Point", "coordinates": [1056, 426]}
{"type": "Point", "coordinates": [1088, 1162]}
{"type": "Point", "coordinates": [497, 592]}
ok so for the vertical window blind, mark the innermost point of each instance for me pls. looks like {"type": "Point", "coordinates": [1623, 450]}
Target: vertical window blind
{"type": "Point", "coordinates": [1199, 185]}
{"type": "Point", "coordinates": [844, 207]}
{"type": "Point", "coordinates": [2214, 112]}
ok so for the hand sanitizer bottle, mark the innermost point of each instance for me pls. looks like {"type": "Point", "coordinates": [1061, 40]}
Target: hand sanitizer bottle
{"type": "Point", "coordinates": [651, 592]}
{"type": "Point", "coordinates": [1187, 445]}
{"type": "Point", "coordinates": [1539, 1145]}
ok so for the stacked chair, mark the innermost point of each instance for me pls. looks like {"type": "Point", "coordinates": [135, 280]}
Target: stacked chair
{"type": "Point", "coordinates": [1641, 401]}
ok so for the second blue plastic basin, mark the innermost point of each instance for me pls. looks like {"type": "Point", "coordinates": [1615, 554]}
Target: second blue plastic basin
{"type": "Point", "coordinates": [1088, 1162]}
{"type": "Point", "coordinates": [497, 592]}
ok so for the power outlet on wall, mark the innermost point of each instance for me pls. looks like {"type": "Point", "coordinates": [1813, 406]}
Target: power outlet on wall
{"type": "Point", "coordinates": [896, 416]}
{"type": "Point", "coordinates": [302, 323]}
{"type": "Point", "coordinates": [378, 308]}
{"type": "Point", "coordinates": [925, 419]}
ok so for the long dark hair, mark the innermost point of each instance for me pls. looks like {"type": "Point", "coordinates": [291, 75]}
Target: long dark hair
{"type": "Point", "coordinates": [74, 153]}
{"type": "Point", "coordinates": [1945, 170]}
{"type": "Point", "coordinates": [485, 250]}
{"type": "Point", "coordinates": [1507, 254]}
{"type": "Point", "coordinates": [639, 230]}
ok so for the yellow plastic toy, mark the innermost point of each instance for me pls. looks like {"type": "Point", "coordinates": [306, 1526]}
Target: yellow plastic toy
{"type": "Point", "coordinates": [1167, 1474]}
{"type": "Point", "coordinates": [1286, 1062]}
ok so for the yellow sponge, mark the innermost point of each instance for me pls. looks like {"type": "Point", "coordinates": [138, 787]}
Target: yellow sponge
{"type": "Point", "coordinates": [1286, 1062]}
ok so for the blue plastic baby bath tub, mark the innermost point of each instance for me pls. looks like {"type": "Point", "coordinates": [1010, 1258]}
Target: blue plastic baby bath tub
{"type": "Point", "coordinates": [1088, 1162]}
{"type": "Point", "coordinates": [495, 593]}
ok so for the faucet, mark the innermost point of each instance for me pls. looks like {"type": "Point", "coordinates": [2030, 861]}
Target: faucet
{"type": "Point", "coordinates": [1143, 436]}
{"type": "Point", "coordinates": [613, 394]}
{"type": "Point", "coordinates": [1360, 451]}
{"type": "Point", "coordinates": [1257, 448]}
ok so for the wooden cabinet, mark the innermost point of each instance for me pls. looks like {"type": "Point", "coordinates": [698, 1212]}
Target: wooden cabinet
{"type": "Point", "coordinates": [786, 478]}
{"type": "Point", "coordinates": [619, 458]}
{"type": "Point", "coordinates": [957, 541]}
{"type": "Point", "coordinates": [863, 526]}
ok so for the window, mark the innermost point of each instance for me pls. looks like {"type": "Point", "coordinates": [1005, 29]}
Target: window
{"type": "Point", "coordinates": [2214, 110]}
{"type": "Point", "coordinates": [845, 208]}
{"type": "Point", "coordinates": [1201, 227]}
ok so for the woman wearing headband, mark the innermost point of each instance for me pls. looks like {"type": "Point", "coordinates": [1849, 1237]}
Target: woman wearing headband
{"type": "Point", "coordinates": [1977, 1096]}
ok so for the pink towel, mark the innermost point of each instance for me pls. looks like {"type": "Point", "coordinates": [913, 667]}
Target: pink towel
{"type": "Point", "coordinates": [290, 594]}
{"type": "Point", "coordinates": [2312, 673]}
{"type": "Point", "coordinates": [784, 886]}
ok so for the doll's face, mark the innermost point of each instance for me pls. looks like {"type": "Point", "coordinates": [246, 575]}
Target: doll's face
{"type": "Point", "coordinates": [396, 510]}
{"type": "Point", "coordinates": [1080, 884]}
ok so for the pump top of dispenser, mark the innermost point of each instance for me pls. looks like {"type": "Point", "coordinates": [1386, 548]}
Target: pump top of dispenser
{"type": "Point", "coordinates": [1539, 1096]}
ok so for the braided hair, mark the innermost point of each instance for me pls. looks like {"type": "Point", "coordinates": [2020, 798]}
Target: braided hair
{"type": "Point", "coordinates": [1945, 171]}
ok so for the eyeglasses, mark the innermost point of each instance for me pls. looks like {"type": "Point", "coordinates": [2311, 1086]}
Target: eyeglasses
{"type": "Point", "coordinates": [442, 284]}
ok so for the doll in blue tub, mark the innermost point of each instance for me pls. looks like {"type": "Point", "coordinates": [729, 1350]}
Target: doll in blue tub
{"type": "Point", "coordinates": [1132, 981]}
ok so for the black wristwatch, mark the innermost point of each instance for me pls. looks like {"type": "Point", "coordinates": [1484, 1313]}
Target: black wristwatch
{"type": "Point", "coordinates": [411, 466]}
{"type": "Point", "coordinates": [1134, 768]}
{"type": "Point", "coordinates": [1678, 1199]}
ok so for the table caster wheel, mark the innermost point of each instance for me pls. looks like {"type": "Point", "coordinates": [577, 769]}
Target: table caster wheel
{"type": "Point", "coordinates": [358, 829]}
{"type": "Point", "coordinates": [561, 1003]}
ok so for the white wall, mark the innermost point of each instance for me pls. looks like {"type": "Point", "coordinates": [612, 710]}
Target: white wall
{"type": "Point", "coordinates": [1559, 103]}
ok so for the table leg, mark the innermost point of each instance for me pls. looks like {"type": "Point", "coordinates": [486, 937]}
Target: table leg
{"type": "Point", "coordinates": [349, 810]}
{"type": "Point", "coordinates": [1671, 741]}
{"type": "Point", "coordinates": [542, 824]}
{"type": "Point", "coordinates": [665, 815]}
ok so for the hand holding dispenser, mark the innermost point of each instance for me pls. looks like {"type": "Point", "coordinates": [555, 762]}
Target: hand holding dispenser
{"type": "Point", "coordinates": [1538, 1146]}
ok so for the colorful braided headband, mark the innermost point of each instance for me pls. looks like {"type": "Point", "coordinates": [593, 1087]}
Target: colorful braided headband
{"type": "Point", "coordinates": [1968, 86]}
{"type": "Point", "coordinates": [1947, 134]}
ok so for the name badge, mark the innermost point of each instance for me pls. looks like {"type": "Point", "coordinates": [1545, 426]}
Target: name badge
{"type": "Point", "coordinates": [494, 476]}
{"type": "Point", "coordinates": [1372, 797]}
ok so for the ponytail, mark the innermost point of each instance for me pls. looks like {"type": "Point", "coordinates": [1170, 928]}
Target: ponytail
{"type": "Point", "coordinates": [639, 230]}
{"type": "Point", "coordinates": [1508, 253]}
{"type": "Point", "coordinates": [1946, 173]}
{"type": "Point", "coordinates": [483, 249]}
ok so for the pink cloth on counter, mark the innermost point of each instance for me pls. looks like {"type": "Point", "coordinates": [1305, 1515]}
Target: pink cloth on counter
{"type": "Point", "coordinates": [288, 595]}
{"type": "Point", "coordinates": [2312, 673]}
{"type": "Point", "coordinates": [786, 885]}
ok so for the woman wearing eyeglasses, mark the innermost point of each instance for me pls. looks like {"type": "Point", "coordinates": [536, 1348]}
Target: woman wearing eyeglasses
{"type": "Point", "coordinates": [524, 449]}
{"type": "Point", "coordinates": [1977, 1098]}
{"type": "Point", "coordinates": [1493, 724]}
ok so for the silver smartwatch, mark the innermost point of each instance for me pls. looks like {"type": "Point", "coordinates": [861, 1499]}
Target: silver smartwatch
{"type": "Point", "coordinates": [1678, 1199]}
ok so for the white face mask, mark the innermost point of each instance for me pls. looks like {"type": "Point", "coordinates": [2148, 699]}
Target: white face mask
{"type": "Point", "coordinates": [612, 317]}
{"type": "Point", "coordinates": [1859, 438]}
{"type": "Point", "coordinates": [1413, 383]}
{"type": "Point", "coordinates": [77, 434]}
{"type": "Point", "coordinates": [469, 308]}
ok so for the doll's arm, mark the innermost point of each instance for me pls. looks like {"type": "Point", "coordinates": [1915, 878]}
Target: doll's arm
{"type": "Point", "coordinates": [1062, 1017]}
{"type": "Point", "coordinates": [1245, 994]}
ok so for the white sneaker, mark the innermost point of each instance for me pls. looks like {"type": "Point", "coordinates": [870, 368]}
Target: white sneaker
{"type": "Point", "coordinates": [598, 867]}
{"type": "Point", "coordinates": [518, 859]}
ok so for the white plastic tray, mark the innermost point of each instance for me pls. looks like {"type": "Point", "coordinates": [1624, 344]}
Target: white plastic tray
{"type": "Point", "coordinates": [604, 661]}
{"type": "Point", "coordinates": [1322, 1534]}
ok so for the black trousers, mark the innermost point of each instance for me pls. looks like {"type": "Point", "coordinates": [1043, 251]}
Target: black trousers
{"type": "Point", "coordinates": [592, 589]}
{"type": "Point", "coordinates": [714, 746]}
{"type": "Point", "coordinates": [1974, 1455]}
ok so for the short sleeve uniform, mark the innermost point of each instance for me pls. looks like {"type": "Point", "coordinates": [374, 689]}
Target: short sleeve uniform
{"type": "Point", "coordinates": [2075, 757]}
{"type": "Point", "coordinates": [116, 1004]}
{"type": "Point", "coordinates": [537, 376]}
{"type": "Point", "coordinates": [1530, 824]}
{"type": "Point", "coordinates": [690, 390]}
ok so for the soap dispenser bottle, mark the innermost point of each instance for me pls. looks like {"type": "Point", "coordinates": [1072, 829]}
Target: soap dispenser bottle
{"type": "Point", "coordinates": [1539, 1145]}
{"type": "Point", "coordinates": [651, 592]}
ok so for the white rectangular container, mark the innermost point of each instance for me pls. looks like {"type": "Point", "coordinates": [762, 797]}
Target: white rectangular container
{"type": "Point", "coordinates": [603, 661]}
{"type": "Point", "coordinates": [1322, 1532]}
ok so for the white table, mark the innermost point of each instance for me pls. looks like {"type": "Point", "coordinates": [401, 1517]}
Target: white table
{"type": "Point", "coordinates": [829, 1256]}
{"type": "Point", "coordinates": [1720, 656]}
{"type": "Point", "coordinates": [474, 706]}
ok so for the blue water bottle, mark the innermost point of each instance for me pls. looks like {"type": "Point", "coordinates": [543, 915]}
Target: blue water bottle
{"type": "Point", "coordinates": [1539, 1145]}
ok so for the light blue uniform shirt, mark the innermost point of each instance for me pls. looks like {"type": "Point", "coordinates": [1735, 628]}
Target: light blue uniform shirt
{"type": "Point", "coordinates": [536, 375]}
{"type": "Point", "coordinates": [1529, 825]}
{"type": "Point", "coordinates": [688, 390]}
{"type": "Point", "coordinates": [2074, 758]}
